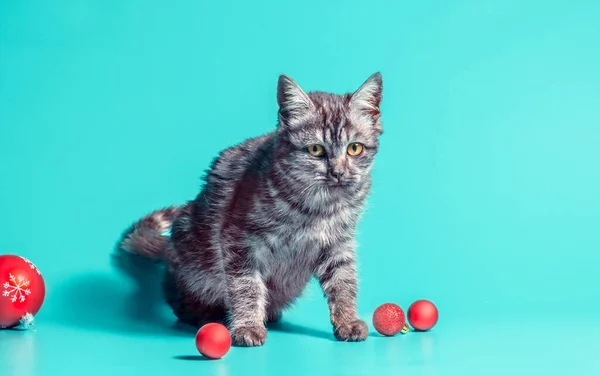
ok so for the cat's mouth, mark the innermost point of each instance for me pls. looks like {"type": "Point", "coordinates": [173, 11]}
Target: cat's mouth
{"type": "Point", "coordinates": [335, 184]}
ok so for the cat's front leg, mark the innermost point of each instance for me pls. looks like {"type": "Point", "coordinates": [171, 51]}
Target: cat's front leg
{"type": "Point", "coordinates": [247, 293]}
{"type": "Point", "coordinates": [336, 273]}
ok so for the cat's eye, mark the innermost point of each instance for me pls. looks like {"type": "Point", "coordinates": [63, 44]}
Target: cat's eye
{"type": "Point", "coordinates": [316, 150]}
{"type": "Point", "coordinates": [355, 149]}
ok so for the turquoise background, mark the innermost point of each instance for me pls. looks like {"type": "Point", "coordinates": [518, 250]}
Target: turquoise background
{"type": "Point", "coordinates": [485, 195]}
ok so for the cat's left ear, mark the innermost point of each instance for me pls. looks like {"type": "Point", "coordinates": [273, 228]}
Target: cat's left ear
{"type": "Point", "coordinates": [294, 103]}
{"type": "Point", "coordinates": [367, 99]}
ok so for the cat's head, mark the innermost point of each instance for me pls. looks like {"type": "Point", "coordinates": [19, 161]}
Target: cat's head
{"type": "Point", "coordinates": [329, 140]}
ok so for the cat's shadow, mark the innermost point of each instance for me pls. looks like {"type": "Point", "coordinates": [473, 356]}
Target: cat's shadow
{"type": "Point", "coordinates": [108, 303]}
{"type": "Point", "coordinates": [288, 327]}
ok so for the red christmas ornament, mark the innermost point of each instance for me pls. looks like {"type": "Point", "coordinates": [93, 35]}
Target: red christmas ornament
{"type": "Point", "coordinates": [22, 291]}
{"type": "Point", "coordinates": [389, 319]}
{"type": "Point", "coordinates": [213, 340]}
{"type": "Point", "coordinates": [422, 315]}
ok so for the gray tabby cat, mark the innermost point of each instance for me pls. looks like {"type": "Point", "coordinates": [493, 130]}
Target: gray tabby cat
{"type": "Point", "coordinates": [274, 211]}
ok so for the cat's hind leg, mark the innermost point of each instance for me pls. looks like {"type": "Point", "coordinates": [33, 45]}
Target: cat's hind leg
{"type": "Point", "coordinates": [189, 309]}
{"type": "Point", "coordinates": [274, 316]}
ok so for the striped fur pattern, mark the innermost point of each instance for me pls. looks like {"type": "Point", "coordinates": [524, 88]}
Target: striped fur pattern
{"type": "Point", "coordinates": [270, 216]}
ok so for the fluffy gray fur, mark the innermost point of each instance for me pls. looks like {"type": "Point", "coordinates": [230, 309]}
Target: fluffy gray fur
{"type": "Point", "coordinates": [270, 216]}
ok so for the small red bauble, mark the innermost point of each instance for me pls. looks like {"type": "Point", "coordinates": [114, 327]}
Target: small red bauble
{"type": "Point", "coordinates": [22, 291]}
{"type": "Point", "coordinates": [389, 319]}
{"type": "Point", "coordinates": [213, 340]}
{"type": "Point", "coordinates": [422, 315]}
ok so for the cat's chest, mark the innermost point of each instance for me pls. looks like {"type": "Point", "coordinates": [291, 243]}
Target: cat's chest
{"type": "Point", "coordinates": [295, 248]}
{"type": "Point", "coordinates": [305, 237]}
{"type": "Point", "coordinates": [290, 260]}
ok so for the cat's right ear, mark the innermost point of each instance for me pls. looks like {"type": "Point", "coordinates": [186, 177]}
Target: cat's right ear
{"type": "Point", "coordinates": [294, 103]}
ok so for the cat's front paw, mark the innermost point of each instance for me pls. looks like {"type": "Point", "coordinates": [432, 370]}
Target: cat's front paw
{"type": "Point", "coordinates": [353, 331]}
{"type": "Point", "coordinates": [249, 336]}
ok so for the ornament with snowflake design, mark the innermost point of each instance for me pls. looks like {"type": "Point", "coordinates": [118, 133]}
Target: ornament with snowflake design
{"type": "Point", "coordinates": [16, 288]}
{"type": "Point", "coordinates": [22, 291]}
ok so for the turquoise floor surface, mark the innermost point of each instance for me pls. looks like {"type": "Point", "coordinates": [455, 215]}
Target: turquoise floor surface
{"type": "Point", "coordinates": [120, 334]}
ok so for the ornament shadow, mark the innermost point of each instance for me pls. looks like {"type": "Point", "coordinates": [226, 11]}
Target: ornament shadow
{"type": "Point", "coordinates": [195, 358]}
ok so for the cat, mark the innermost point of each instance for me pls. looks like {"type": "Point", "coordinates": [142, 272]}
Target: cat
{"type": "Point", "coordinates": [274, 211]}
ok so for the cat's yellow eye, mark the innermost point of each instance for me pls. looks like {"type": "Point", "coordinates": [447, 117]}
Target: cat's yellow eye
{"type": "Point", "coordinates": [355, 149]}
{"type": "Point", "coordinates": [316, 150]}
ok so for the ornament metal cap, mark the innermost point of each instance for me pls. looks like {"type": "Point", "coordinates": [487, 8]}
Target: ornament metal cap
{"type": "Point", "coordinates": [405, 329]}
{"type": "Point", "coordinates": [27, 322]}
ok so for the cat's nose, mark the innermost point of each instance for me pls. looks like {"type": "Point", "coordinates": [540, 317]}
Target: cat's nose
{"type": "Point", "coordinates": [337, 174]}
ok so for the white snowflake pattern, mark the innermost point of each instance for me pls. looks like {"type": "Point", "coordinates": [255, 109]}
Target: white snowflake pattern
{"type": "Point", "coordinates": [31, 265]}
{"type": "Point", "coordinates": [16, 288]}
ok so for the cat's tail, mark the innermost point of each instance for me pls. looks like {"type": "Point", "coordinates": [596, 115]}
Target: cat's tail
{"type": "Point", "coordinates": [140, 254]}
{"type": "Point", "coordinates": [149, 236]}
